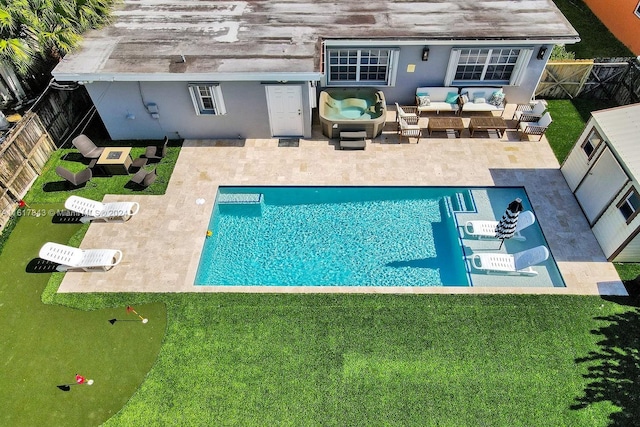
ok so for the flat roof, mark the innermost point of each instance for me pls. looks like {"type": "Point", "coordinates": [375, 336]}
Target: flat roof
{"type": "Point", "coordinates": [621, 127]}
{"type": "Point", "coordinates": [269, 36]}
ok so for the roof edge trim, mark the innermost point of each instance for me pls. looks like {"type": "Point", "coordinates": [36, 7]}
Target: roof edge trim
{"type": "Point", "coordinates": [86, 78]}
{"type": "Point", "coordinates": [442, 42]}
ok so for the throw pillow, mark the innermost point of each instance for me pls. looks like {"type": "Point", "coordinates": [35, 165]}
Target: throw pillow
{"type": "Point", "coordinates": [424, 101]}
{"type": "Point", "coordinates": [452, 98]}
{"type": "Point", "coordinates": [422, 94]}
{"type": "Point", "coordinates": [464, 98]}
{"type": "Point", "coordinates": [478, 95]}
{"type": "Point", "coordinates": [497, 98]}
{"type": "Point", "coordinates": [479, 101]}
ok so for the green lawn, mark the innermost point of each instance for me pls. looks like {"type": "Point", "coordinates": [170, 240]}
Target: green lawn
{"type": "Point", "coordinates": [42, 346]}
{"type": "Point", "coordinates": [569, 119]}
{"type": "Point", "coordinates": [50, 188]}
{"type": "Point", "coordinates": [596, 39]}
{"type": "Point", "coordinates": [337, 360]}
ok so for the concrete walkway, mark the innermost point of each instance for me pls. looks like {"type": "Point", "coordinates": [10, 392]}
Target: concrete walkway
{"type": "Point", "coordinates": [162, 244]}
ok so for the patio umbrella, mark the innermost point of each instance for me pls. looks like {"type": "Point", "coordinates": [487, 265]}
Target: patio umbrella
{"type": "Point", "coordinates": [506, 228]}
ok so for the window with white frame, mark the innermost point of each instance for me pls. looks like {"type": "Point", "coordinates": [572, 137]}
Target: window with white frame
{"type": "Point", "coordinates": [361, 66]}
{"type": "Point", "coordinates": [591, 143]}
{"type": "Point", "coordinates": [637, 11]}
{"type": "Point", "coordinates": [207, 98]}
{"type": "Point", "coordinates": [630, 205]}
{"type": "Point", "coordinates": [487, 65]}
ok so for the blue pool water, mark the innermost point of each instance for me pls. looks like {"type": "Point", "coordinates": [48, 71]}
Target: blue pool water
{"type": "Point", "coordinates": [335, 236]}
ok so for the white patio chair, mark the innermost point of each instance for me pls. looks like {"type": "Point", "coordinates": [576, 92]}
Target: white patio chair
{"type": "Point", "coordinates": [71, 258]}
{"type": "Point", "coordinates": [92, 210]}
{"type": "Point", "coordinates": [532, 114]}
{"type": "Point", "coordinates": [409, 117]}
{"type": "Point", "coordinates": [519, 263]}
{"type": "Point", "coordinates": [409, 130]}
{"type": "Point", "coordinates": [535, 128]}
{"type": "Point", "coordinates": [487, 229]}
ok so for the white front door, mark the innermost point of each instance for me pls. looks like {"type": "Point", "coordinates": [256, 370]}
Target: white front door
{"type": "Point", "coordinates": [605, 179]}
{"type": "Point", "coordinates": [285, 110]}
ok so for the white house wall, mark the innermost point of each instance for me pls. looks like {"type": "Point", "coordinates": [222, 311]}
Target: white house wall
{"type": "Point", "coordinates": [432, 73]}
{"type": "Point", "coordinates": [122, 107]}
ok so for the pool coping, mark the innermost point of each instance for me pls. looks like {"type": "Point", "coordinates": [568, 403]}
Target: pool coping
{"type": "Point", "coordinates": [162, 243]}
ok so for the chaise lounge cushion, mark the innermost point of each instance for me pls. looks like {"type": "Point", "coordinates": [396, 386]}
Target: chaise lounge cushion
{"type": "Point", "coordinates": [482, 99]}
{"type": "Point", "coordinates": [437, 99]}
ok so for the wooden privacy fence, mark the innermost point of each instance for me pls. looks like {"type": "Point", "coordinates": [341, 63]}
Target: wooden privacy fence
{"type": "Point", "coordinates": [604, 78]}
{"type": "Point", "coordinates": [60, 110]}
{"type": "Point", "coordinates": [23, 155]}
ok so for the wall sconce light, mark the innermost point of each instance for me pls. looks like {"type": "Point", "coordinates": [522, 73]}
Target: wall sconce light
{"type": "Point", "coordinates": [542, 52]}
{"type": "Point", "coordinates": [425, 54]}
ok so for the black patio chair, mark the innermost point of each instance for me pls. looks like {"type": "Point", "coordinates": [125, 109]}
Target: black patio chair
{"type": "Point", "coordinates": [144, 178]}
{"type": "Point", "coordinates": [157, 153]}
{"type": "Point", "coordinates": [75, 179]}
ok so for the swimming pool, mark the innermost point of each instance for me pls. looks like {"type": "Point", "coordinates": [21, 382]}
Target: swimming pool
{"type": "Point", "coordinates": [337, 236]}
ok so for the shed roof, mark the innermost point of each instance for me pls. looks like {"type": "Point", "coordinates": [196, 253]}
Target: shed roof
{"type": "Point", "coordinates": [621, 127]}
{"type": "Point", "coordinates": [257, 36]}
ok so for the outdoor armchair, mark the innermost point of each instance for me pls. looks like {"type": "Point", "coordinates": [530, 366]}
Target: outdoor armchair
{"type": "Point", "coordinates": [153, 152]}
{"type": "Point", "coordinates": [75, 179]}
{"type": "Point", "coordinates": [530, 114]}
{"type": "Point", "coordinates": [535, 128]}
{"type": "Point", "coordinates": [86, 147]}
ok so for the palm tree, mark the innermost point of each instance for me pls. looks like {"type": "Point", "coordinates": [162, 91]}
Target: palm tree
{"type": "Point", "coordinates": [15, 49]}
{"type": "Point", "coordinates": [48, 29]}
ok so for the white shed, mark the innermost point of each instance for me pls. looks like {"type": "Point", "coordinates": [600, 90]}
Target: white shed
{"type": "Point", "coordinates": [603, 171]}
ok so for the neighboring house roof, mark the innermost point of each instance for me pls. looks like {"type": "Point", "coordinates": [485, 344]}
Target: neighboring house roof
{"type": "Point", "coordinates": [149, 36]}
{"type": "Point", "coordinates": [621, 128]}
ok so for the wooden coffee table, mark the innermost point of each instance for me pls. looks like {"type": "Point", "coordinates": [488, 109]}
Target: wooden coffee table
{"type": "Point", "coordinates": [487, 123]}
{"type": "Point", "coordinates": [115, 160]}
{"type": "Point", "coordinates": [444, 124]}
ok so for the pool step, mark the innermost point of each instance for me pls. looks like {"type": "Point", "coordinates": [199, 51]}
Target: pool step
{"type": "Point", "coordinates": [462, 202]}
{"type": "Point", "coordinates": [239, 198]}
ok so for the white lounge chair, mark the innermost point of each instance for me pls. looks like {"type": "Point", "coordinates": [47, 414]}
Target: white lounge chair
{"type": "Point", "coordinates": [92, 210]}
{"type": "Point", "coordinates": [487, 229]}
{"type": "Point", "coordinates": [71, 258]}
{"type": "Point", "coordinates": [518, 263]}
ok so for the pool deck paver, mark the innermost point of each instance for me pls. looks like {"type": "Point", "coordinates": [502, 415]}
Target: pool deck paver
{"type": "Point", "coordinates": [163, 242]}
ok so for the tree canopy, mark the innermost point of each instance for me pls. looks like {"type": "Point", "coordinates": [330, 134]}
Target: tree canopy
{"type": "Point", "coordinates": [43, 29]}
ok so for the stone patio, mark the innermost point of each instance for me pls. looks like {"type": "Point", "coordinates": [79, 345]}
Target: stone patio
{"type": "Point", "coordinates": [162, 244]}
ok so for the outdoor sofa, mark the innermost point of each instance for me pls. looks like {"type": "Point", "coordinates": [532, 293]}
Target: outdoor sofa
{"type": "Point", "coordinates": [429, 99]}
{"type": "Point", "coordinates": [474, 99]}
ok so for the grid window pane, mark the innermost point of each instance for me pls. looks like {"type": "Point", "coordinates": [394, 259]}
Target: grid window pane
{"type": "Point", "coordinates": [364, 65]}
{"type": "Point", "coordinates": [486, 64]}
